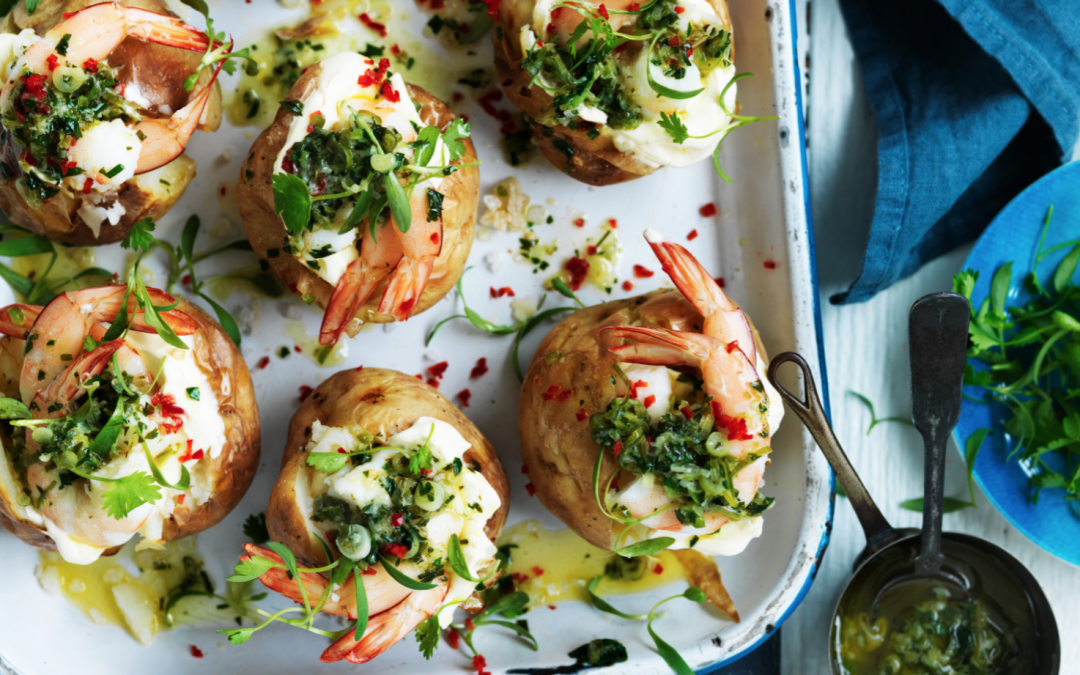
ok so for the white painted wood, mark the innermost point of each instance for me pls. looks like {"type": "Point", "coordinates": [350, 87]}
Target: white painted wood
{"type": "Point", "coordinates": [866, 351]}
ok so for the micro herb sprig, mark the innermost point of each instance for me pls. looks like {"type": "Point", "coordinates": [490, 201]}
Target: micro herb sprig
{"type": "Point", "coordinates": [1032, 358]}
{"type": "Point", "coordinates": [874, 419]}
{"type": "Point", "coordinates": [670, 655]}
{"type": "Point", "coordinates": [219, 53]}
{"type": "Point", "coordinates": [519, 329]}
{"type": "Point", "coordinates": [677, 130]}
{"type": "Point", "coordinates": [42, 288]}
{"type": "Point", "coordinates": [183, 259]}
{"type": "Point", "coordinates": [253, 567]}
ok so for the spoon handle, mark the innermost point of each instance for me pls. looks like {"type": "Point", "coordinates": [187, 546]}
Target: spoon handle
{"type": "Point", "coordinates": [938, 336]}
{"type": "Point", "coordinates": [813, 416]}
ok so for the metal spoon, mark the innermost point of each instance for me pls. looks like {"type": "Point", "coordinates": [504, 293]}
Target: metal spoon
{"type": "Point", "coordinates": [933, 384]}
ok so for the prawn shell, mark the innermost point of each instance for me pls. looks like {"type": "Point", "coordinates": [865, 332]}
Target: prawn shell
{"type": "Point", "coordinates": [556, 446]}
{"type": "Point", "coordinates": [383, 403]}
{"type": "Point", "coordinates": [595, 161]}
{"type": "Point", "coordinates": [232, 471]}
{"type": "Point", "coordinates": [159, 71]}
{"type": "Point", "coordinates": [266, 231]}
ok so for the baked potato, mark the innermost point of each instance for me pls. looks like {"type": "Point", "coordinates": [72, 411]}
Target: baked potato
{"type": "Point", "coordinates": [85, 147]}
{"type": "Point", "coordinates": [134, 436]}
{"type": "Point", "coordinates": [375, 252]}
{"type": "Point", "coordinates": [610, 117]}
{"type": "Point", "coordinates": [678, 440]}
{"type": "Point", "coordinates": [381, 470]}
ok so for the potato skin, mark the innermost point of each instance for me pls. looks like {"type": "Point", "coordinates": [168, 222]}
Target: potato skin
{"type": "Point", "coordinates": [232, 471]}
{"type": "Point", "coordinates": [384, 403]}
{"type": "Point", "coordinates": [558, 447]}
{"type": "Point", "coordinates": [594, 161]}
{"type": "Point", "coordinates": [266, 231]}
{"type": "Point", "coordinates": [159, 72]}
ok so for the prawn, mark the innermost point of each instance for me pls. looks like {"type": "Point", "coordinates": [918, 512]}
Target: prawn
{"type": "Point", "coordinates": [59, 331]}
{"type": "Point", "coordinates": [393, 610]}
{"type": "Point", "coordinates": [98, 30]}
{"type": "Point", "coordinates": [725, 354]}
{"type": "Point", "coordinates": [566, 19]}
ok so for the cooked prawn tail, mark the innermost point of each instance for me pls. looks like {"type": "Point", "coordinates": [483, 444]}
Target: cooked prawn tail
{"type": "Point", "coordinates": [20, 329]}
{"type": "Point", "coordinates": [689, 276]}
{"type": "Point", "coordinates": [99, 29]}
{"type": "Point", "coordinates": [407, 283]}
{"type": "Point", "coordinates": [111, 300]}
{"type": "Point", "coordinates": [54, 398]}
{"type": "Point", "coordinates": [352, 291]}
{"type": "Point", "coordinates": [661, 347]}
{"type": "Point", "coordinates": [386, 629]}
{"type": "Point", "coordinates": [278, 580]}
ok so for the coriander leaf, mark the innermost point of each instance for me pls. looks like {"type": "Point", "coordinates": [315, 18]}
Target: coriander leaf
{"type": "Point", "coordinates": [427, 634]}
{"type": "Point", "coordinates": [509, 605]}
{"type": "Point", "coordinates": [454, 138]}
{"type": "Point", "coordinates": [327, 462]}
{"type": "Point", "coordinates": [295, 107]}
{"type": "Point", "coordinates": [255, 529]}
{"type": "Point", "coordinates": [964, 283]}
{"type": "Point", "coordinates": [400, 577]}
{"type": "Point", "coordinates": [674, 126]}
{"type": "Point", "coordinates": [140, 237]}
{"type": "Point", "coordinates": [422, 460]}
{"type": "Point", "coordinates": [292, 201]}
{"type": "Point", "coordinates": [129, 493]}
{"type": "Point", "coordinates": [250, 569]}
{"type": "Point", "coordinates": [13, 409]}
{"type": "Point", "coordinates": [435, 205]}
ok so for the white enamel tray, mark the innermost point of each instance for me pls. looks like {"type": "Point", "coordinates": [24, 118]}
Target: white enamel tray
{"type": "Point", "coordinates": [764, 216]}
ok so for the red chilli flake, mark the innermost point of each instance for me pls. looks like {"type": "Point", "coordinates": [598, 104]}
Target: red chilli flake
{"type": "Point", "coordinates": [692, 236]}
{"type": "Point", "coordinates": [687, 412]}
{"type": "Point", "coordinates": [180, 499]}
{"type": "Point", "coordinates": [642, 272]}
{"type": "Point", "coordinates": [88, 186]}
{"type": "Point", "coordinates": [493, 8]}
{"type": "Point", "coordinates": [525, 469]}
{"type": "Point", "coordinates": [579, 222]}
{"type": "Point", "coordinates": [507, 124]}
{"type": "Point", "coordinates": [582, 415]}
{"type": "Point", "coordinates": [602, 10]}
{"type": "Point", "coordinates": [708, 211]}
{"type": "Point", "coordinates": [649, 400]}
{"type": "Point", "coordinates": [389, 93]}
{"type": "Point", "coordinates": [480, 369]}
{"type": "Point", "coordinates": [305, 391]}
{"type": "Point", "coordinates": [90, 65]}
{"type": "Point", "coordinates": [538, 571]}
{"type": "Point", "coordinates": [263, 363]}
{"type": "Point", "coordinates": [617, 448]}
{"type": "Point", "coordinates": [736, 428]}
{"type": "Point", "coordinates": [53, 61]}
{"type": "Point", "coordinates": [464, 395]}
{"type": "Point", "coordinates": [502, 292]}
{"type": "Point", "coordinates": [196, 652]}
{"type": "Point", "coordinates": [438, 370]}
{"type": "Point", "coordinates": [732, 346]}
{"type": "Point", "coordinates": [679, 10]}
{"type": "Point", "coordinates": [397, 519]}
{"type": "Point", "coordinates": [469, 626]}
{"type": "Point", "coordinates": [720, 282]}
{"type": "Point", "coordinates": [627, 286]}
{"type": "Point", "coordinates": [453, 639]}
{"type": "Point", "coordinates": [395, 50]}
{"type": "Point", "coordinates": [659, 569]}
{"type": "Point", "coordinates": [634, 7]}
{"type": "Point", "coordinates": [480, 663]}
{"type": "Point", "coordinates": [396, 550]}
{"type": "Point", "coordinates": [769, 265]}
{"type": "Point", "coordinates": [298, 349]}
{"type": "Point", "coordinates": [370, 572]}
{"type": "Point", "coordinates": [170, 411]}
{"type": "Point", "coordinates": [549, 395]}
{"type": "Point", "coordinates": [579, 270]}
{"type": "Point", "coordinates": [531, 489]}
{"type": "Point", "coordinates": [374, 25]}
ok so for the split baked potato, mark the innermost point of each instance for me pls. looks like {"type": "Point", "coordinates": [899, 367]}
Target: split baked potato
{"type": "Point", "coordinates": [198, 419]}
{"type": "Point", "coordinates": [381, 470]}
{"type": "Point", "coordinates": [641, 419]}
{"type": "Point", "coordinates": [45, 191]}
{"type": "Point", "coordinates": [352, 255]}
{"type": "Point", "coordinates": [609, 117]}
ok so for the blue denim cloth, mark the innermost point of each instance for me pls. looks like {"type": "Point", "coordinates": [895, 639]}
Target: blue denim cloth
{"type": "Point", "coordinates": [974, 100]}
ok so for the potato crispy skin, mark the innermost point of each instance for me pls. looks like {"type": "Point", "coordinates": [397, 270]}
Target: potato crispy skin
{"type": "Point", "coordinates": [159, 72]}
{"type": "Point", "coordinates": [266, 231]}
{"type": "Point", "coordinates": [556, 446]}
{"type": "Point", "coordinates": [232, 471]}
{"type": "Point", "coordinates": [383, 403]}
{"type": "Point", "coordinates": [595, 161]}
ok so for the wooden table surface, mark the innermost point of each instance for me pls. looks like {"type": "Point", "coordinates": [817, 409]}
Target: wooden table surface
{"type": "Point", "coordinates": [866, 352]}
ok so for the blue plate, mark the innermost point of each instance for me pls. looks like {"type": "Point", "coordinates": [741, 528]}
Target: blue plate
{"type": "Point", "coordinates": [1053, 523]}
